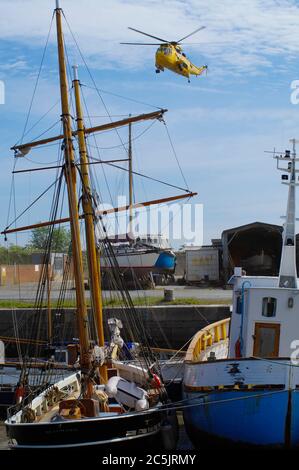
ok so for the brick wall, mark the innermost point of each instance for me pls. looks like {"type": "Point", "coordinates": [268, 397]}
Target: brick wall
{"type": "Point", "coordinates": [20, 274]}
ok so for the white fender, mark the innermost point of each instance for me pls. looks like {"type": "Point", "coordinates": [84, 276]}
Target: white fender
{"type": "Point", "coordinates": [127, 393]}
{"type": "Point", "coordinates": [111, 386]}
{"type": "Point", "coordinates": [142, 405]}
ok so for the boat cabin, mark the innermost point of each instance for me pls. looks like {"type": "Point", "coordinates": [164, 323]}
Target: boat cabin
{"type": "Point", "coordinates": [264, 319]}
{"type": "Point", "coordinates": [265, 309]}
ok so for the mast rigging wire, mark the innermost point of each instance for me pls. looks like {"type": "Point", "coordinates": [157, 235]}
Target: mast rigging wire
{"type": "Point", "coordinates": [98, 151]}
{"type": "Point", "coordinates": [144, 176]}
{"type": "Point", "coordinates": [37, 79]}
{"type": "Point", "coordinates": [123, 97]}
{"type": "Point", "coordinates": [32, 204]}
{"type": "Point", "coordinates": [91, 77]}
{"type": "Point", "coordinates": [126, 143]}
{"type": "Point", "coordinates": [175, 154]}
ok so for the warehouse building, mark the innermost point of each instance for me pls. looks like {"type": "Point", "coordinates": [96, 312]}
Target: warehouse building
{"type": "Point", "coordinates": [256, 247]}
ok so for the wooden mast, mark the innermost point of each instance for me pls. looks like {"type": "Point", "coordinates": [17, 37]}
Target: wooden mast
{"type": "Point", "coordinates": [49, 308]}
{"type": "Point", "coordinates": [88, 212]}
{"type": "Point", "coordinates": [130, 181]}
{"type": "Point", "coordinates": [70, 176]}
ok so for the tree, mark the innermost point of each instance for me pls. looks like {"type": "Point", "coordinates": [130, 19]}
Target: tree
{"type": "Point", "coordinates": [61, 239]}
{"type": "Point", "coordinates": [15, 254]}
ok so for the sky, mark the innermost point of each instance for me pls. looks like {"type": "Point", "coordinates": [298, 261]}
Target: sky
{"type": "Point", "coordinates": [220, 124]}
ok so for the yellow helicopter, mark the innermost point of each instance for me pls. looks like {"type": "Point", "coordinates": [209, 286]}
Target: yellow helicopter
{"type": "Point", "coordinates": [170, 55]}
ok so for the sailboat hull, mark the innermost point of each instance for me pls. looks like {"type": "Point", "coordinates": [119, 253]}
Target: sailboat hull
{"type": "Point", "coordinates": [143, 262]}
{"type": "Point", "coordinates": [116, 431]}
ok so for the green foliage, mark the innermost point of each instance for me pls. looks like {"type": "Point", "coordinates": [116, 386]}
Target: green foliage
{"type": "Point", "coordinates": [15, 254]}
{"type": "Point", "coordinates": [116, 302]}
{"type": "Point", "coordinates": [60, 242]}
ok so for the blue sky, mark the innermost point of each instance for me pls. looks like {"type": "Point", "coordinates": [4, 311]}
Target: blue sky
{"type": "Point", "coordinates": [220, 124]}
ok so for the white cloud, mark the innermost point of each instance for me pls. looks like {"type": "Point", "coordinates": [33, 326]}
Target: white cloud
{"type": "Point", "coordinates": [14, 65]}
{"type": "Point", "coordinates": [243, 35]}
{"type": "Point", "coordinates": [236, 114]}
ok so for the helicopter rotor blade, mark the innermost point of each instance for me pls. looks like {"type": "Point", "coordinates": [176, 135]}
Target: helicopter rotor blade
{"type": "Point", "coordinates": [189, 43]}
{"type": "Point", "coordinates": [149, 35]}
{"type": "Point", "coordinates": [188, 35]}
{"type": "Point", "coordinates": [141, 43]}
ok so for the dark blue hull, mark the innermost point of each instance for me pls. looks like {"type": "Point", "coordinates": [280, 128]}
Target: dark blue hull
{"type": "Point", "coordinates": [260, 418]}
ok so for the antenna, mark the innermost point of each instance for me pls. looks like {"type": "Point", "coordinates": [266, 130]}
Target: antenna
{"type": "Point", "coordinates": [288, 270]}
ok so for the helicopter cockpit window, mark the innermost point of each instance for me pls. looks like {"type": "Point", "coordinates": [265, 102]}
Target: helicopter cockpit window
{"type": "Point", "coordinates": [166, 50]}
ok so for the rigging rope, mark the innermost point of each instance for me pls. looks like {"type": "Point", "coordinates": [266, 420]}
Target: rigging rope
{"type": "Point", "coordinates": [123, 97]}
{"type": "Point", "coordinates": [37, 79]}
{"type": "Point", "coordinates": [142, 175]}
{"type": "Point", "coordinates": [32, 203]}
{"type": "Point", "coordinates": [175, 154]}
{"type": "Point", "coordinates": [91, 77]}
{"type": "Point", "coordinates": [126, 143]}
{"type": "Point", "coordinates": [98, 152]}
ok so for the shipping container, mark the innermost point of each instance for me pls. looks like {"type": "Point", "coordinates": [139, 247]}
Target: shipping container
{"type": "Point", "coordinates": [202, 264]}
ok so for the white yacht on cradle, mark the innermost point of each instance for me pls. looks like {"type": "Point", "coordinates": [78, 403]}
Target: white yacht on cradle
{"type": "Point", "coordinates": [143, 255]}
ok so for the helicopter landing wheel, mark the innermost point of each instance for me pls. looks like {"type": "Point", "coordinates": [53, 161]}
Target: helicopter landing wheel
{"type": "Point", "coordinates": [158, 71]}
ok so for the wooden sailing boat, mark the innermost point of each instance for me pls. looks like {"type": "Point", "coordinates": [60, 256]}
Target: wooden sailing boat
{"type": "Point", "coordinates": [77, 411]}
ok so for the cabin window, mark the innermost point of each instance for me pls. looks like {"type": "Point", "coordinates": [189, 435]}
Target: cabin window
{"type": "Point", "coordinates": [167, 50]}
{"type": "Point", "coordinates": [290, 302]}
{"type": "Point", "coordinates": [269, 307]}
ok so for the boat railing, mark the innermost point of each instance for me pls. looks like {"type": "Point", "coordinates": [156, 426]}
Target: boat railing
{"type": "Point", "coordinates": [170, 354]}
{"type": "Point", "coordinates": [209, 336]}
{"type": "Point", "coordinates": [39, 400]}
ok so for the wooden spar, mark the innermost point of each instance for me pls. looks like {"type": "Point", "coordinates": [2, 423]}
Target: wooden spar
{"type": "Point", "coordinates": [36, 365]}
{"type": "Point", "coordinates": [146, 203]}
{"type": "Point", "coordinates": [9, 339]}
{"type": "Point", "coordinates": [102, 212]}
{"type": "Point", "coordinates": [103, 127]}
{"type": "Point", "coordinates": [28, 170]}
{"type": "Point", "coordinates": [70, 177]}
{"type": "Point", "coordinates": [88, 214]}
{"type": "Point", "coordinates": [40, 224]}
